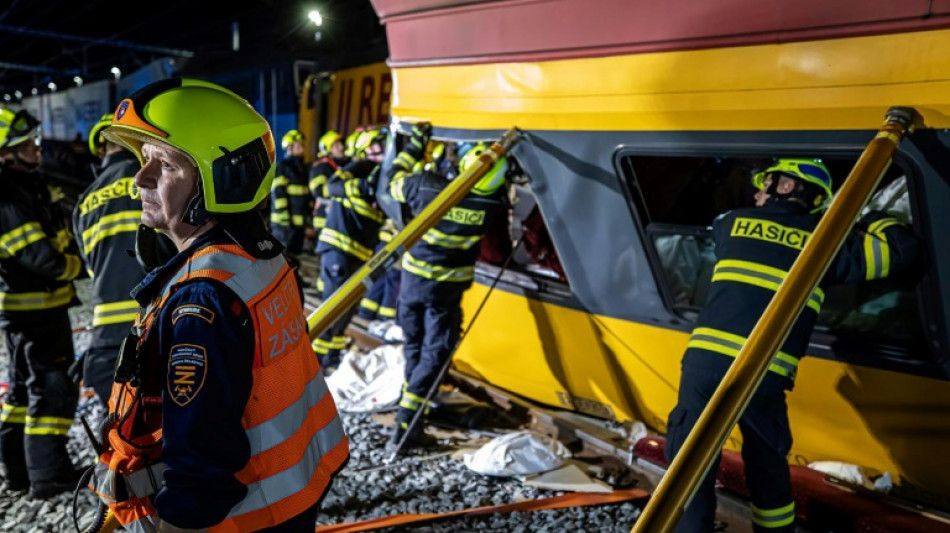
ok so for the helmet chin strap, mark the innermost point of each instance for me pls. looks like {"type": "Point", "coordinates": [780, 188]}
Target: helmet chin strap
{"type": "Point", "coordinates": [195, 213]}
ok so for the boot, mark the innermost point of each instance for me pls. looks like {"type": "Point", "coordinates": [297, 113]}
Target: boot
{"type": "Point", "coordinates": [42, 490]}
{"type": "Point", "coordinates": [417, 439]}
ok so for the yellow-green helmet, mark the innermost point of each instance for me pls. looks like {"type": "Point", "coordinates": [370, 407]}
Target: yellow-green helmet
{"type": "Point", "coordinates": [289, 138]}
{"type": "Point", "coordinates": [16, 127]}
{"type": "Point", "coordinates": [367, 138]}
{"type": "Point", "coordinates": [493, 179]}
{"type": "Point", "coordinates": [807, 170]}
{"type": "Point", "coordinates": [327, 141]}
{"type": "Point", "coordinates": [350, 149]}
{"type": "Point", "coordinates": [229, 142]}
{"type": "Point", "coordinates": [95, 134]}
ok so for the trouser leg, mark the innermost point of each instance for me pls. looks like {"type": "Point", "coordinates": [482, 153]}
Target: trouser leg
{"type": "Point", "coordinates": [695, 390]}
{"type": "Point", "coordinates": [412, 322]}
{"type": "Point", "coordinates": [766, 442]}
{"type": "Point", "coordinates": [99, 370]}
{"type": "Point", "coordinates": [369, 305]}
{"type": "Point", "coordinates": [13, 411]}
{"type": "Point", "coordinates": [388, 304]}
{"type": "Point", "coordinates": [442, 323]}
{"type": "Point", "coordinates": [52, 396]}
{"type": "Point", "coordinates": [335, 268]}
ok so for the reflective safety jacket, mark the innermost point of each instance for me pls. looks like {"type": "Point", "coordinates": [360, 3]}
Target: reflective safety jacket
{"type": "Point", "coordinates": [105, 221]}
{"type": "Point", "coordinates": [291, 203]}
{"type": "Point", "coordinates": [38, 256]}
{"type": "Point", "coordinates": [353, 219]}
{"type": "Point", "coordinates": [320, 173]}
{"type": "Point", "coordinates": [447, 253]}
{"type": "Point", "coordinates": [229, 406]}
{"type": "Point", "coordinates": [755, 248]}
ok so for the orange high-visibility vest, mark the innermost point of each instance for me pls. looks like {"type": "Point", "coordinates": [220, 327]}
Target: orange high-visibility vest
{"type": "Point", "coordinates": [291, 422]}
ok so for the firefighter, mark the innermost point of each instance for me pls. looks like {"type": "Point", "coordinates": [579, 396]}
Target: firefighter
{"type": "Point", "coordinates": [437, 270]}
{"type": "Point", "coordinates": [291, 203]}
{"type": "Point", "coordinates": [38, 260]}
{"type": "Point", "coordinates": [221, 417]}
{"type": "Point", "coordinates": [755, 248]}
{"type": "Point", "coordinates": [330, 160]}
{"type": "Point", "coordinates": [105, 220]}
{"type": "Point", "coordinates": [351, 233]}
{"type": "Point", "coordinates": [349, 149]}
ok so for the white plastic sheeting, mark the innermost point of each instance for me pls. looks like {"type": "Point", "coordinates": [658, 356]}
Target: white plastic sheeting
{"type": "Point", "coordinates": [518, 454]}
{"type": "Point", "coordinates": [366, 382]}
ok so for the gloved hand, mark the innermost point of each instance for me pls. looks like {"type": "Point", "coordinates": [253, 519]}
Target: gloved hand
{"type": "Point", "coordinates": [421, 133]}
{"type": "Point", "coordinates": [75, 370]}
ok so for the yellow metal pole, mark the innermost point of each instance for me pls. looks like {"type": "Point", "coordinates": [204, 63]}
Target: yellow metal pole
{"type": "Point", "coordinates": [355, 286]}
{"type": "Point", "coordinates": [704, 442]}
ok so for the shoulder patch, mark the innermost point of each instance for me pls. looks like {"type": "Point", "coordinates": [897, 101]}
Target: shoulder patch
{"type": "Point", "coordinates": [187, 368]}
{"type": "Point", "coordinates": [194, 310]}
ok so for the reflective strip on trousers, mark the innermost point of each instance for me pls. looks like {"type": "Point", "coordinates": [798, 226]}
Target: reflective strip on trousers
{"type": "Point", "coordinates": [47, 425]}
{"type": "Point", "coordinates": [774, 518]}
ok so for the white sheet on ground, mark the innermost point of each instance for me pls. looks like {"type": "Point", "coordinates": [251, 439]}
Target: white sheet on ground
{"type": "Point", "coordinates": [517, 454]}
{"type": "Point", "coordinates": [364, 382]}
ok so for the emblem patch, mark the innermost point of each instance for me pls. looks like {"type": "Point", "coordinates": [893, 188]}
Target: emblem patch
{"type": "Point", "coordinates": [194, 310]}
{"type": "Point", "coordinates": [123, 107]}
{"type": "Point", "coordinates": [187, 368]}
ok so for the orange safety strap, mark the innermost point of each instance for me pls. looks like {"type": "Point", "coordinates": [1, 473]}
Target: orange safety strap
{"type": "Point", "coordinates": [574, 499]}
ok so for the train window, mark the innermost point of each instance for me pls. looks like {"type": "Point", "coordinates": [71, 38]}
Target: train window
{"type": "Point", "coordinates": [534, 264]}
{"type": "Point", "coordinates": [676, 200]}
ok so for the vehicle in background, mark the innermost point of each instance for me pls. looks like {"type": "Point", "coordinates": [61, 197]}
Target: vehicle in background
{"type": "Point", "coordinates": [343, 101]}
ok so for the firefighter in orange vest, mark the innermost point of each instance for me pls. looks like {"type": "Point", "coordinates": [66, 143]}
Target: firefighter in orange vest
{"type": "Point", "coordinates": [221, 418]}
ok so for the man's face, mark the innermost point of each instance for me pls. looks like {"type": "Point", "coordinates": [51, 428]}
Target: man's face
{"type": "Point", "coordinates": [166, 181]}
{"type": "Point", "coordinates": [785, 186]}
{"type": "Point", "coordinates": [336, 150]}
{"type": "Point", "coordinates": [26, 155]}
{"type": "Point", "coordinates": [375, 153]}
{"type": "Point", "coordinates": [295, 149]}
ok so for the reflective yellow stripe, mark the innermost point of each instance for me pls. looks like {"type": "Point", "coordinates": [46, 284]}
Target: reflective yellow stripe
{"type": "Point", "coordinates": [17, 239]}
{"type": "Point", "coordinates": [436, 272]}
{"type": "Point", "coordinates": [404, 160]}
{"type": "Point", "coordinates": [774, 518]}
{"type": "Point", "coordinates": [109, 225]}
{"type": "Point", "coordinates": [319, 222]}
{"type": "Point", "coordinates": [337, 239]}
{"type": "Point", "coordinates": [762, 276]}
{"type": "Point", "coordinates": [877, 253]}
{"type": "Point", "coordinates": [115, 313]}
{"type": "Point", "coordinates": [12, 414]}
{"type": "Point", "coordinates": [320, 285]}
{"type": "Point", "coordinates": [351, 188]}
{"type": "Point", "coordinates": [370, 305]}
{"type": "Point", "coordinates": [47, 425]}
{"type": "Point", "coordinates": [280, 203]}
{"type": "Point", "coordinates": [396, 187]}
{"type": "Point", "coordinates": [729, 344]}
{"type": "Point", "coordinates": [297, 220]}
{"type": "Point", "coordinates": [412, 401]}
{"type": "Point", "coordinates": [338, 343]}
{"type": "Point", "coordinates": [363, 208]}
{"type": "Point", "coordinates": [387, 312]}
{"type": "Point", "coordinates": [71, 270]}
{"type": "Point", "coordinates": [29, 301]}
{"type": "Point", "coordinates": [298, 190]}
{"type": "Point", "coordinates": [455, 242]}
{"type": "Point", "coordinates": [279, 181]}
{"type": "Point", "coordinates": [315, 183]}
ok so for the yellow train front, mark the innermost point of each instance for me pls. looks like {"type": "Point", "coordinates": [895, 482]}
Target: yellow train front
{"type": "Point", "coordinates": [633, 144]}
